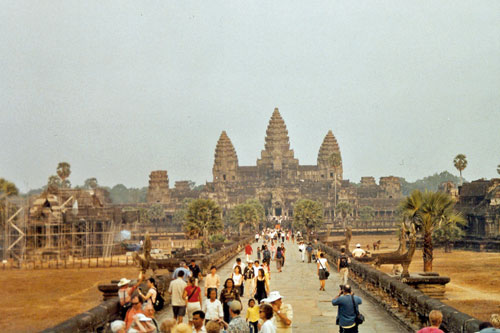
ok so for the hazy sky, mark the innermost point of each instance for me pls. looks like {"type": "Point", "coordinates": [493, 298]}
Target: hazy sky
{"type": "Point", "coordinates": [121, 88]}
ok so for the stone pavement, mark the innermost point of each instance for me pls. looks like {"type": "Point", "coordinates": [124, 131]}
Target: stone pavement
{"type": "Point", "coordinates": [313, 311]}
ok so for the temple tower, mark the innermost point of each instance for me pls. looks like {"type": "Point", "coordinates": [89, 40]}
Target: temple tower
{"type": "Point", "coordinates": [277, 154]}
{"type": "Point", "coordinates": [226, 161]}
{"type": "Point", "coordinates": [328, 147]}
{"type": "Point", "coordinates": [158, 187]}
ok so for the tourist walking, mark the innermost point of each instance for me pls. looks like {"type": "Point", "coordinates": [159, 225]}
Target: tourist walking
{"type": "Point", "coordinates": [176, 290]}
{"type": "Point", "coordinates": [238, 280]}
{"type": "Point", "coordinates": [198, 322]}
{"type": "Point", "coordinates": [192, 293]}
{"type": "Point", "coordinates": [258, 252]}
{"type": "Point", "coordinates": [279, 257]}
{"type": "Point", "coordinates": [435, 319]}
{"type": "Point", "coordinates": [237, 324]}
{"type": "Point", "coordinates": [302, 250]}
{"type": "Point", "coordinates": [261, 286]}
{"type": "Point", "coordinates": [248, 251]}
{"type": "Point", "coordinates": [273, 250]}
{"type": "Point", "coordinates": [266, 314]}
{"type": "Point", "coordinates": [323, 270]}
{"type": "Point", "coordinates": [282, 313]}
{"type": "Point", "coordinates": [213, 307]}
{"type": "Point", "coordinates": [309, 250]}
{"type": "Point", "coordinates": [195, 271]}
{"type": "Point", "coordinates": [182, 268]}
{"type": "Point", "coordinates": [343, 266]}
{"type": "Point", "coordinates": [266, 254]}
{"type": "Point", "coordinates": [228, 294]}
{"type": "Point", "coordinates": [252, 316]}
{"type": "Point", "coordinates": [348, 307]}
{"type": "Point", "coordinates": [248, 277]}
{"type": "Point", "coordinates": [212, 281]}
{"type": "Point", "coordinates": [283, 251]}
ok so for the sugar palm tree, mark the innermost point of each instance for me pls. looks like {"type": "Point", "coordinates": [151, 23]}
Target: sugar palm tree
{"type": "Point", "coordinates": [428, 211]}
{"type": "Point", "coordinates": [308, 215]}
{"type": "Point", "coordinates": [460, 163]}
{"type": "Point", "coordinates": [203, 218]}
{"type": "Point", "coordinates": [344, 209]}
{"type": "Point", "coordinates": [63, 171]}
{"type": "Point", "coordinates": [244, 214]}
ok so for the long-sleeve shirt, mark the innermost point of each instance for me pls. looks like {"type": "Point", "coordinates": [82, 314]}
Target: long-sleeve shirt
{"type": "Point", "coordinates": [213, 310]}
{"type": "Point", "coordinates": [212, 281]}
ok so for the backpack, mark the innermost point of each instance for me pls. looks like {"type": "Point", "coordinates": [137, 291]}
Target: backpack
{"type": "Point", "coordinates": [159, 302]}
{"type": "Point", "coordinates": [267, 254]}
{"type": "Point", "coordinates": [344, 261]}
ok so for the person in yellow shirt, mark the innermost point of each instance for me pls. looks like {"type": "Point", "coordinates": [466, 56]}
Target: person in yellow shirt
{"type": "Point", "coordinates": [252, 315]}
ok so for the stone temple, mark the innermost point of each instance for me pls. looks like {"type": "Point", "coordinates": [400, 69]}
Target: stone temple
{"type": "Point", "coordinates": [278, 181]}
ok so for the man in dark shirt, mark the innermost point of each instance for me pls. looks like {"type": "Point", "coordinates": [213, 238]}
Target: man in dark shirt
{"type": "Point", "coordinates": [196, 271]}
{"type": "Point", "coordinates": [309, 250]}
{"type": "Point", "coordinates": [347, 314]}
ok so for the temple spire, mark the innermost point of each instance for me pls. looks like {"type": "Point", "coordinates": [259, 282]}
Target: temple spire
{"type": "Point", "coordinates": [226, 160]}
{"type": "Point", "coordinates": [328, 147]}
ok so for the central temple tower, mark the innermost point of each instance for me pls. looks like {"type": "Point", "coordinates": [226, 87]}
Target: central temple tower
{"type": "Point", "coordinates": [277, 155]}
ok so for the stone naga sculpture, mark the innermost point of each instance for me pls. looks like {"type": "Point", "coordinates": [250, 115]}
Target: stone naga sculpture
{"type": "Point", "coordinates": [145, 261]}
{"type": "Point", "coordinates": [343, 242]}
{"type": "Point", "coordinates": [398, 258]}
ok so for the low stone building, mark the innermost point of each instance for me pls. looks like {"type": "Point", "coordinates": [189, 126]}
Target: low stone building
{"type": "Point", "coordinates": [479, 202]}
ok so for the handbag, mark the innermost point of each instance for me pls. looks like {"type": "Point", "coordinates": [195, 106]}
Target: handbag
{"type": "Point", "coordinates": [359, 317]}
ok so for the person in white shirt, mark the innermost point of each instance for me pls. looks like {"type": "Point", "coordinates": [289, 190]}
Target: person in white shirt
{"type": "Point", "coordinates": [302, 249]}
{"type": "Point", "coordinates": [358, 252]}
{"type": "Point", "coordinates": [239, 263]}
{"type": "Point", "coordinates": [213, 307]}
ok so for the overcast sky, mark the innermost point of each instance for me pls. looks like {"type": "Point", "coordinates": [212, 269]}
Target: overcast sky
{"type": "Point", "coordinates": [121, 88]}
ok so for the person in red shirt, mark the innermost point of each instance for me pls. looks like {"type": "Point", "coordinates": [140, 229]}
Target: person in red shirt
{"type": "Point", "coordinates": [248, 251]}
{"type": "Point", "coordinates": [133, 311]}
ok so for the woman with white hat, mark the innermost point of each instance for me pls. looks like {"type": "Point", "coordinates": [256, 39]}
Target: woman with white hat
{"type": "Point", "coordinates": [125, 292]}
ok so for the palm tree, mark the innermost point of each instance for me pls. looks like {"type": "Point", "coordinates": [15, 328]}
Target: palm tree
{"type": "Point", "coordinates": [8, 188]}
{"type": "Point", "coordinates": [203, 218]}
{"type": "Point", "coordinates": [244, 214]}
{"type": "Point", "coordinates": [344, 209]}
{"type": "Point", "coordinates": [366, 214]}
{"type": "Point", "coordinates": [450, 231]}
{"type": "Point", "coordinates": [335, 161]}
{"type": "Point", "coordinates": [255, 203]}
{"type": "Point", "coordinates": [53, 184]}
{"type": "Point", "coordinates": [308, 215]}
{"type": "Point", "coordinates": [428, 211]}
{"type": "Point", "coordinates": [460, 163]}
{"type": "Point", "coordinates": [63, 171]}
{"type": "Point", "coordinates": [90, 183]}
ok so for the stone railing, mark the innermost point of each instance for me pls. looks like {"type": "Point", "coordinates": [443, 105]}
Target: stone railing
{"type": "Point", "coordinates": [97, 318]}
{"type": "Point", "coordinates": [410, 306]}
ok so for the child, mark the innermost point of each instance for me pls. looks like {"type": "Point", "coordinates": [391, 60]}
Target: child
{"type": "Point", "coordinates": [252, 315]}
{"type": "Point", "coordinates": [258, 253]}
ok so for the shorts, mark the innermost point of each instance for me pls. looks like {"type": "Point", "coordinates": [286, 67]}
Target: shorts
{"type": "Point", "coordinates": [179, 311]}
{"type": "Point", "coordinates": [192, 307]}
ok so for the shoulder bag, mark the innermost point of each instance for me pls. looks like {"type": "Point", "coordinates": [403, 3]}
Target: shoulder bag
{"type": "Point", "coordinates": [327, 273]}
{"type": "Point", "coordinates": [359, 317]}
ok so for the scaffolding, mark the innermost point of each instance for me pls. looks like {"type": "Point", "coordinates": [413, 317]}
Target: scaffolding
{"type": "Point", "coordinates": [14, 223]}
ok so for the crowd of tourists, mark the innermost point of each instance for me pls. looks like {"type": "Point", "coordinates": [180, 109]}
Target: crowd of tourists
{"type": "Point", "coordinates": [212, 304]}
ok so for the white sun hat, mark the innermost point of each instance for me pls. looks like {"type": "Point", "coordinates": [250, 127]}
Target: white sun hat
{"type": "Point", "coordinates": [358, 245]}
{"type": "Point", "coordinates": [273, 296]}
{"type": "Point", "coordinates": [123, 282]}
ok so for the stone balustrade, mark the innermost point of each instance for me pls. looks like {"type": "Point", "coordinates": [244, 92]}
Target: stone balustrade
{"type": "Point", "coordinates": [409, 305]}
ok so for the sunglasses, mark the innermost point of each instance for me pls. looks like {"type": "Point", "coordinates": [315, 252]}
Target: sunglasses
{"type": "Point", "coordinates": [135, 303]}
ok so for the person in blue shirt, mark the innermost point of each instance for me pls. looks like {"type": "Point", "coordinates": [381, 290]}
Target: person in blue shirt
{"type": "Point", "coordinates": [346, 314]}
{"type": "Point", "coordinates": [183, 267]}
